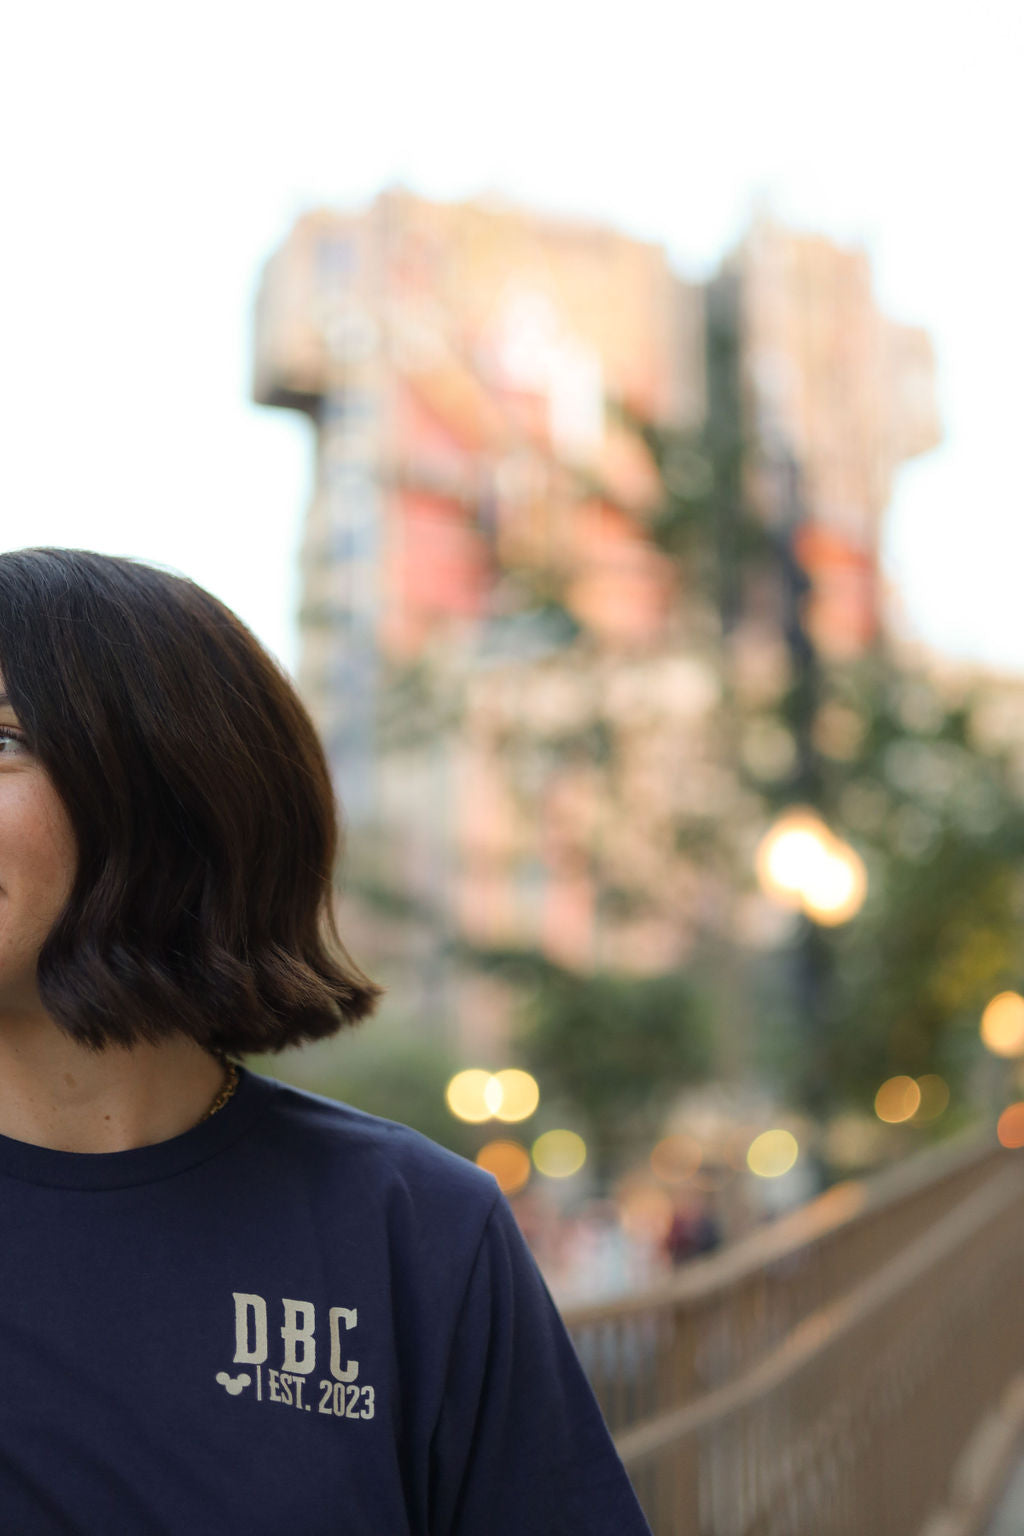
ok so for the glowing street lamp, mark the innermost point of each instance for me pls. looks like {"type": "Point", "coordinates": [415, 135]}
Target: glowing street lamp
{"type": "Point", "coordinates": [802, 864]}
{"type": "Point", "coordinates": [806, 867]}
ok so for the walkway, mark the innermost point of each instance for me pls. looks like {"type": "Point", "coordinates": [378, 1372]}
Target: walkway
{"type": "Point", "coordinates": [1008, 1519]}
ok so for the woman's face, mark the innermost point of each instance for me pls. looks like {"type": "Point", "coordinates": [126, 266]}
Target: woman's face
{"type": "Point", "coordinates": [37, 863]}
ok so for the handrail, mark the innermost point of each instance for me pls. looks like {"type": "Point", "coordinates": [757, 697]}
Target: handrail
{"type": "Point", "coordinates": [829, 1212]}
{"type": "Point", "coordinates": [823, 1329]}
{"type": "Point", "coordinates": [657, 1349]}
{"type": "Point", "coordinates": [821, 1378]}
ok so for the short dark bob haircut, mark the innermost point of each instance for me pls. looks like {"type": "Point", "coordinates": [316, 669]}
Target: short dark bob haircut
{"type": "Point", "coordinates": [202, 807]}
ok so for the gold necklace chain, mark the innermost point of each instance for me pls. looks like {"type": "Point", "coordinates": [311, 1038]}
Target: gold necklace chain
{"type": "Point", "coordinates": [224, 1092]}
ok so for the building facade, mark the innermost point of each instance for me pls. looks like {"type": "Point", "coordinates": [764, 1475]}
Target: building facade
{"type": "Point", "coordinates": [520, 691]}
{"type": "Point", "coordinates": [846, 394]}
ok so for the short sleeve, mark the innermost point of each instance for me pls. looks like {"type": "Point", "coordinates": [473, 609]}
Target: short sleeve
{"type": "Point", "coordinates": [520, 1447]}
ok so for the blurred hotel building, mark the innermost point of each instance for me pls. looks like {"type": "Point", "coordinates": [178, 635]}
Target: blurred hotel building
{"type": "Point", "coordinates": [476, 492]}
{"type": "Point", "coordinates": [845, 395]}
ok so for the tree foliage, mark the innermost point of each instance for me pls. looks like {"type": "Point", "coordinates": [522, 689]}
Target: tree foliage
{"type": "Point", "coordinates": [614, 1049]}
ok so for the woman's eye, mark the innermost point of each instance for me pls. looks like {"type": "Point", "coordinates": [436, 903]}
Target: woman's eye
{"type": "Point", "coordinates": [11, 741]}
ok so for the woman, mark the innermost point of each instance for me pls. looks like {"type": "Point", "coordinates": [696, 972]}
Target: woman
{"type": "Point", "coordinates": [228, 1306]}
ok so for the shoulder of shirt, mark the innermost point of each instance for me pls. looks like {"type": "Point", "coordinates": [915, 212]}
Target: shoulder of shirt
{"type": "Point", "coordinates": [387, 1152]}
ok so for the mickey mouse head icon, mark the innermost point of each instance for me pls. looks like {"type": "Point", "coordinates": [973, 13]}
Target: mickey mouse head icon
{"type": "Point", "coordinates": [233, 1384]}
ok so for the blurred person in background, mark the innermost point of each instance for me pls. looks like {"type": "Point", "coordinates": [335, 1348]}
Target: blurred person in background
{"type": "Point", "coordinates": [693, 1230]}
{"type": "Point", "coordinates": [229, 1306]}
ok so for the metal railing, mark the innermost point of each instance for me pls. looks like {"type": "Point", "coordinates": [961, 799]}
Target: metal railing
{"type": "Point", "coordinates": [822, 1377]}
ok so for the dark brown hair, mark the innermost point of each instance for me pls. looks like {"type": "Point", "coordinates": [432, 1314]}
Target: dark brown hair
{"type": "Point", "coordinates": [202, 807]}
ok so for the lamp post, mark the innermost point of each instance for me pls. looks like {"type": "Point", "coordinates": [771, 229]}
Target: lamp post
{"type": "Point", "coordinates": [806, 867]}
{"type": "Point", "coordinates": [832, 882]}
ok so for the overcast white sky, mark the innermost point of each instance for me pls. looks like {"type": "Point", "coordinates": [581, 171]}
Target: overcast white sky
{"type": "Point", "coordinates": [155, 155]}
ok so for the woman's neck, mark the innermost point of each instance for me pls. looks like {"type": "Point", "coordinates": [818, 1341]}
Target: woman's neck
{"type": "Point", "coordinates": [55, 1093]}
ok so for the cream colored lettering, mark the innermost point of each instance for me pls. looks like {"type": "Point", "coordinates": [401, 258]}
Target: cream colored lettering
{"type": "Point", "coordinates": [248, 1306]}
{"type": "Point", "coordinates": [350, 1370]}
{"type": "Point", "coordinates": [295, 1334]}
{"type": "Point", "coordinates": [285, 1388]}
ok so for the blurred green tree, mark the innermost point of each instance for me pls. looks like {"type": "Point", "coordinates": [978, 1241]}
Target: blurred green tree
{"type": "Point", "coordinates": [935, 812]}
{"type": "Point", "coordinates": [610, 1049]}
{"type": "Point", "coordinates": [893, 766]}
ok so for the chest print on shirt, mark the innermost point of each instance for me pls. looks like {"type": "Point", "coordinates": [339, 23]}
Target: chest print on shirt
{"type": "Point", "coordinates": [290, 1382]}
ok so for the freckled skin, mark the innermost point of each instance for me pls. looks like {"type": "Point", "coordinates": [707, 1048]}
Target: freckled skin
{"type": "Point", "coordinates": [37, 864]}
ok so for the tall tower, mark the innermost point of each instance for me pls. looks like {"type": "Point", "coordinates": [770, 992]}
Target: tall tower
{"type": "Point", "coordinates": [455, 362]}
{"type": "Point", "coordinates": [836, 397]}
{"type": "Point", "coordinates": [473, 488]}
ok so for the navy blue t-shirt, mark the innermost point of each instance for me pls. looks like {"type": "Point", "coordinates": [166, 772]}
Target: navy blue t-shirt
{"type": "Point", "coordinates": [294, 1318]}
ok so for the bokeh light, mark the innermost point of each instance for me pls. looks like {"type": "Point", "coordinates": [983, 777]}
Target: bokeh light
{"type": "Point", "coordinates": [838, 885]}
{"type": "Point", "coordinates": [1002, 1025]}
{"type": "Point", "coordinates": [898, 1099]}
{"type": "Point", "coordinates": [676, 1158]}
{"type": "Point", "coordinates": [558, 1154]}
{"type": "Point", "coordinates": [789, 853]}
{"type": "Point", "coordinates": [802, 864]}
{"type": "Point", "coordinates": [466, 1095]}
{"type": "Point", "coordinates": [772, 1154]}
{"type": "Point", "coordinates": [645, 1211]}
{"type": "Point", "coordinates": [509, 1163]}
{"type": "Point", "coordinates": [476, 1095]}
{"type": "Point", "coordinates": [1010, 1126]}
{"type": "Point", "coordinates": [934, 1096]}
{"type": "Point", "coordinates": [518, 1094]}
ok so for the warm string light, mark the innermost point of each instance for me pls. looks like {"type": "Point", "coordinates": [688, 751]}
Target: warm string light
{"type": "Point", "coordinates": [475, 1095]}
{"type": "Point", "coordinates": [1002, 1025]}
{"type": "Point", "coordinates": [772, 1154]}
{"type": "Point", "coordinates": [509, 1162]}
{"type": "Point", "coordinates": [898, 1099]}
{"type": "Point", "coordinates": [902, 1098]}
{"type": "Point", "coordinates": [559, 1154]}
{"type": "Point", "coordinates": [1010, 1127]}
